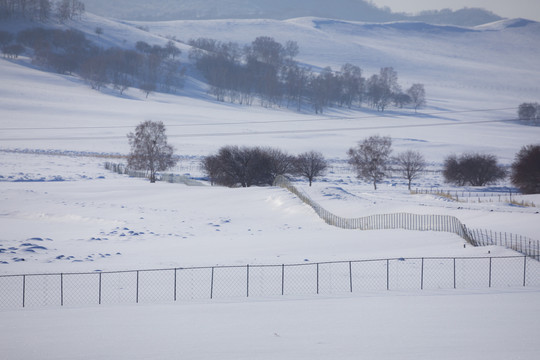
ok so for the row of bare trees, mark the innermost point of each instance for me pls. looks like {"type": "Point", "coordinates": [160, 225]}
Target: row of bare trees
{"type": "Point", "coordinates": [267, 70]}
{"type": "Point", "coordinates": [256, 166]}
{"type": "Point", "coordinates": [41, 10]}
{"type": "Point", "coordinates": [372, 160]}
{"type": "Point", "coordinates": [147, 67]}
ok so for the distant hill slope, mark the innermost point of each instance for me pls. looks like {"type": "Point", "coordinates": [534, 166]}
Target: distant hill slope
{"type": "Point", "coordinates": [358, 10]}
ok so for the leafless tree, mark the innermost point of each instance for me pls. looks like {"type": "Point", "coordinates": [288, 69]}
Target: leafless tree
{"type": "Point", "coordinates": [417, 94]}
{"type": "Point", "coordinates": [410, 164]}
{"type": "Point", "coordinates": [381, 88]}
{"type": "Point", "coordinates": [281, 163]}
{"type": "Point", "coordinates": [149, 149]}
{"type": "Point", "coordinates": [310, 165]}
{"type": "Point", "coordinates": [526, 169]}
{"type": "Point", "coordinates": [94, 71]}
{"type": "Point", "coordinates": [352, 84]}
{"type": "Point", "coordinates": [371, 158]}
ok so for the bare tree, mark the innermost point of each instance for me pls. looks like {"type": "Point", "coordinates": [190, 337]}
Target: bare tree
{"type": "Point", "coordinates": [381, 88]}
{"type": "Point", "coordinates": [63, 10]}
{"type": "Point", "coordinates": [352, 84]}
{"type": "Point", "coordinates": [371, 157]}
{"type": "Point", "coordinates": [417, 93]}
{"type": "Point", "coordinates": [13, 51]}
{"type": "Point", "coordinates": [94, 71]}
{"type": "Point", "coordinates": [310, 165]}
{"type": "Point", "coordinates": [148, 88]}
{"type": "Point", "coordinates": [473, 169]}
{"type": "Point", "coordinates": [526, 169]}
{"type": "Point", "coordinates": [410, 164]}
{"type": "Point", "coordinates": [149, 149]}
{"type": "Point", "coordinates": [280, 162]}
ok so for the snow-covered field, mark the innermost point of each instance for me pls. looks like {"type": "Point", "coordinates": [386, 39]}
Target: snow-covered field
{"type": "Point", "coordinates": [76, 216]}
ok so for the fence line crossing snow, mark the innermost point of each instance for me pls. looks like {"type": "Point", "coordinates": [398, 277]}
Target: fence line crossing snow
{"type": "Point", "coordinates": [407, 221]}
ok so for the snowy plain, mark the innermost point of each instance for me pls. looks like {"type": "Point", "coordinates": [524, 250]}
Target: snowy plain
{"type": "Point", "coordinates": [81, 217]}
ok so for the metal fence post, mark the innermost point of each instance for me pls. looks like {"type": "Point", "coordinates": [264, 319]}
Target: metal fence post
{"type": "Point", "coordinates": [350, 275]}
{"type": "Point", "coordinates": [61, 289]}
{"type": "Point", "coordinates": [212, 284]}
{"type": "Point", "coordinates": [99, 295]}
{"type": "Point", "coordinates": [454, 273]}
{"type": "Point", "coordinates": [490, 272]}
{"type": "Point", "coordinates": [247, 280]}
{"type": "Point", "coordinates": [524, 270]}
{"type": "Point", "coordinates": [137, 289]}
{"type": "Point", "coordinates": [282, 279]}
{"type": "Point", "coordinates": [24, 290]}
{"type": "Point", "coordinates": [175, 271]}
{"type": "Point", "coordinates": [387, 274]}
{"type": "Point", "coordinates": [422, 276]}
{"type": "Point", "coordinates": [317, 278]}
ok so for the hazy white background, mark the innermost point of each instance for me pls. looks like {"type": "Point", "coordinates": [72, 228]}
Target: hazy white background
{"type": "Point", "coordinates": [529, 9]}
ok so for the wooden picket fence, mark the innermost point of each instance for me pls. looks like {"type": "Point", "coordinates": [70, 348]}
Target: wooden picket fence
{"type": "Point", "coordinates": [407, 221]}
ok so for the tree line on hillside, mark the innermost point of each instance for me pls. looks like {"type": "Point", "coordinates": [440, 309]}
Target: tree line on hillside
{"type": "Point", "coordinates": [41, 10]}
{"type": "Point", "coordinates": [147, 67]}
{"type": "Point", "coordinates": [267, 70]}
{"type": "Point", "coordinates": [236, 166]}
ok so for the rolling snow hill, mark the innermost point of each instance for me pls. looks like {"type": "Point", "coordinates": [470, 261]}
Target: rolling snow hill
{"type": "Point", "coordinates": [62, 212]}
{"type": "Point", "coordinates": [357, 10]}
{"type": "Point", "coordinates": [473, 74]}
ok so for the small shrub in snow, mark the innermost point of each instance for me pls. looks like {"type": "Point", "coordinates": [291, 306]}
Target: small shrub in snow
{"type": "Point", "coordinates": [472, 169]}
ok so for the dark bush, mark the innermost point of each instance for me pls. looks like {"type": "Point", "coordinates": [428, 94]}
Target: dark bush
{"type": "Point", "coordinates": [472, 169]}
{"type": "Point", "coordinates": [526, 170]}
{"type": "Point", "coordinates": [246, 166]}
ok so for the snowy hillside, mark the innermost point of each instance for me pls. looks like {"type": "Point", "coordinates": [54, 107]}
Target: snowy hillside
{"type": "Point", "coordinates": [62, 212]}
{"type": "Point", "coordinates": [358, 10]}
{"type": "Point", "coordinates": [474, 77]}
{"type": "Point", "coordinates": [470, 75]}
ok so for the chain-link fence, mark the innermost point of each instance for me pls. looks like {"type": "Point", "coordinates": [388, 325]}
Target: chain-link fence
{"type": "Point", "coordinates": [228, 282]}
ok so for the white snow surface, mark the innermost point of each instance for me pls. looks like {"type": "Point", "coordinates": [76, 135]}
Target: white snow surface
{"type": "Point", "coordinates": [495, 325]}
{"type": "Point", "coordinates": [84, 218]}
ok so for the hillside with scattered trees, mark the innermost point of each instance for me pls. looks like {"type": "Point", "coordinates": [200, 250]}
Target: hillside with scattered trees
{"type": "Point", "coordinates": [267, 71]}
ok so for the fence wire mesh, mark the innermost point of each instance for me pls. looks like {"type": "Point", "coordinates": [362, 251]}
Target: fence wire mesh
{"type": "Point", "coordinates": [229, 282]}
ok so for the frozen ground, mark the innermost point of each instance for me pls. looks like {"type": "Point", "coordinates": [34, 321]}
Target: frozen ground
{"type": "Point", "coordinates": [67, 214]}
{"type": "Point", "coordinates": [479, 325]}
{"type": "Point", "coordinates": [70, 213]}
